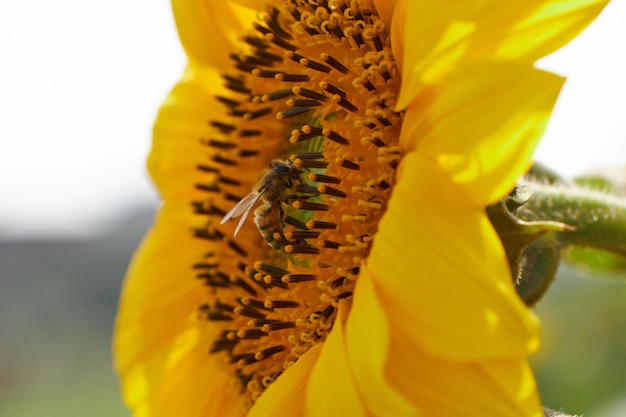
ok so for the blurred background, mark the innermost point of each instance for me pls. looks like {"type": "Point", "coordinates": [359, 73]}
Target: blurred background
{"type": "Point", "coordinates": [80, 84]}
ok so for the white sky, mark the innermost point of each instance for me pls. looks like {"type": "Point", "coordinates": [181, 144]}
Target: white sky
{"type": "Point", "coordinates": [81, 81]}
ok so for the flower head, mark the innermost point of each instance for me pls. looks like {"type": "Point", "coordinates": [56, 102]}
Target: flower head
{"type": "Point", "coordinates": [387, 127]}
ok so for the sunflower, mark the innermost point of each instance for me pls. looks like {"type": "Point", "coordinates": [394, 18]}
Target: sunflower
{"type": "Point", "coordinates": [371, 135]}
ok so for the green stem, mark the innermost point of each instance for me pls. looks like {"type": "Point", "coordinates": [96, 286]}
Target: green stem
{"type": "Point", "coordinates": [599, 218]}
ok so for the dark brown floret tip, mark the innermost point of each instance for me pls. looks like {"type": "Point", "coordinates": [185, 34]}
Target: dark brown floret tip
{"type": "Point", "coordinates": [266, 353]}
{"type": "Point", "coordinates": [283, 325]}
{"type": "Point", "coordinates": [320, 224]}
{"type": "Point", "coordinates": [334, 63]}
{"type": "Point", "coordinates": [325, 189]}
{"type": "Point", "coordinates": [282, 304]}
{"type": "Point", "coordinates": [251, 334]}
{"type": "Point", "coordinates": [292, 78]}
{"type": "Point", "coordinates": [275, 282]}
{"type": "Point", "coordinates": [294, 278]}
{"type": "Point", "coordinates": [292, 112]}
{"type": "Point", "coordinates": [254, 303]}
{"type": "Point", "coordinates": [305, 92]}
{"type": "Point", "coordinates": [270, 269]}
{"type": "Point", "coordinates": [249, 312]}
{"type": "Point", "coordinates": [313, 177]}
{"type": "Point", "coordinates": [305, 205]}
{"type": "Point", "coordinates": [302, 234]}
{"type": "Point", "coordinates": [294, 249]}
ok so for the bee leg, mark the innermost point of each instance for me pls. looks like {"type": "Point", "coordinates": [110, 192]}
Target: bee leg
{"type": "Point", "coordinates": [281, 216]}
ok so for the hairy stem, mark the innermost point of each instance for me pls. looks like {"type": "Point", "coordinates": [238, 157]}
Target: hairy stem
{"type": "Point", "coordinates": [599, 218]}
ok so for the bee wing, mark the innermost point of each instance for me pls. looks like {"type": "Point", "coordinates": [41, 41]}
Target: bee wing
{"type": "Point", "coordinates": [242, 209]}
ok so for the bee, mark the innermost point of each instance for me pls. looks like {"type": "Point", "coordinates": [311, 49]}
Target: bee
{"type": "Point", "coordinates": [273, 189]}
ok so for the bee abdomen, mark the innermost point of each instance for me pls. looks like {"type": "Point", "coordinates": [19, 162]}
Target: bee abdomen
{"type": "Point", "coordinates": [267, 220]}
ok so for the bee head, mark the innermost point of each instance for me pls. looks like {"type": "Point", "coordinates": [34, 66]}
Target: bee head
{"type": "Point", "coordinates": [285, 168]}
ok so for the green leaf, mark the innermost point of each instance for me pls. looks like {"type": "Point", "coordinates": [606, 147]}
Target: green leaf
{"type": "Point", "coordinates": [595, 260]}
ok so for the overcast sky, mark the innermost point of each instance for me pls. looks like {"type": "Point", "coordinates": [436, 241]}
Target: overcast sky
{"type": "Point", "coordinates": [81, 81]}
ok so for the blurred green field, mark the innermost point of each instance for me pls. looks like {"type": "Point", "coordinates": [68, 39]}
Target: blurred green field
{"type": "Point", "coordinates": [581, 365]}
{"type": "Point", "coordinates": [57, 305]}
{"type": "Point", "coordinates": [58, 301]}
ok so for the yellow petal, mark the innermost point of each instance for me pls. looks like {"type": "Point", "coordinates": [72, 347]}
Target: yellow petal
{"type": "Point", "coordinates": [427, 39]}
{"type": "Point", "coordinates": [440, 271]}
{"type": "Point", "coordinates": [367, 342]}
{"type": "Point", "coordinates": [176, 150]}
{"type": "Point", "coordinates": [431, 38]}
{"type": "Point", "coordinates": [157, 342]}
{"type": "Point", "coordinates": [496, 387]}
{"type": "Point", "coordinates": [332, 387]}
{"type": "Point", "coordinates": [482, 124]}
{"type": "Point", "coordinates": [548, 27]}
{"type": "Point", "coordinates": [209, 30]}
{"type": "Point", "coordinates": [286, 396]}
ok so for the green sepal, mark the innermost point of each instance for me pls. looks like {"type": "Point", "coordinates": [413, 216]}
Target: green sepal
{"type": "Point", "coordinates": [516, 234]}
{"type": "Point", "coordinates": [545, 219]}
{"type": "Point", "coordinates": [538, 266]}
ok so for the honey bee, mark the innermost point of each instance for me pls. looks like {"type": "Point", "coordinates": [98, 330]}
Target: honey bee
{"type": "Point", "coordinates": [273, 188]}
